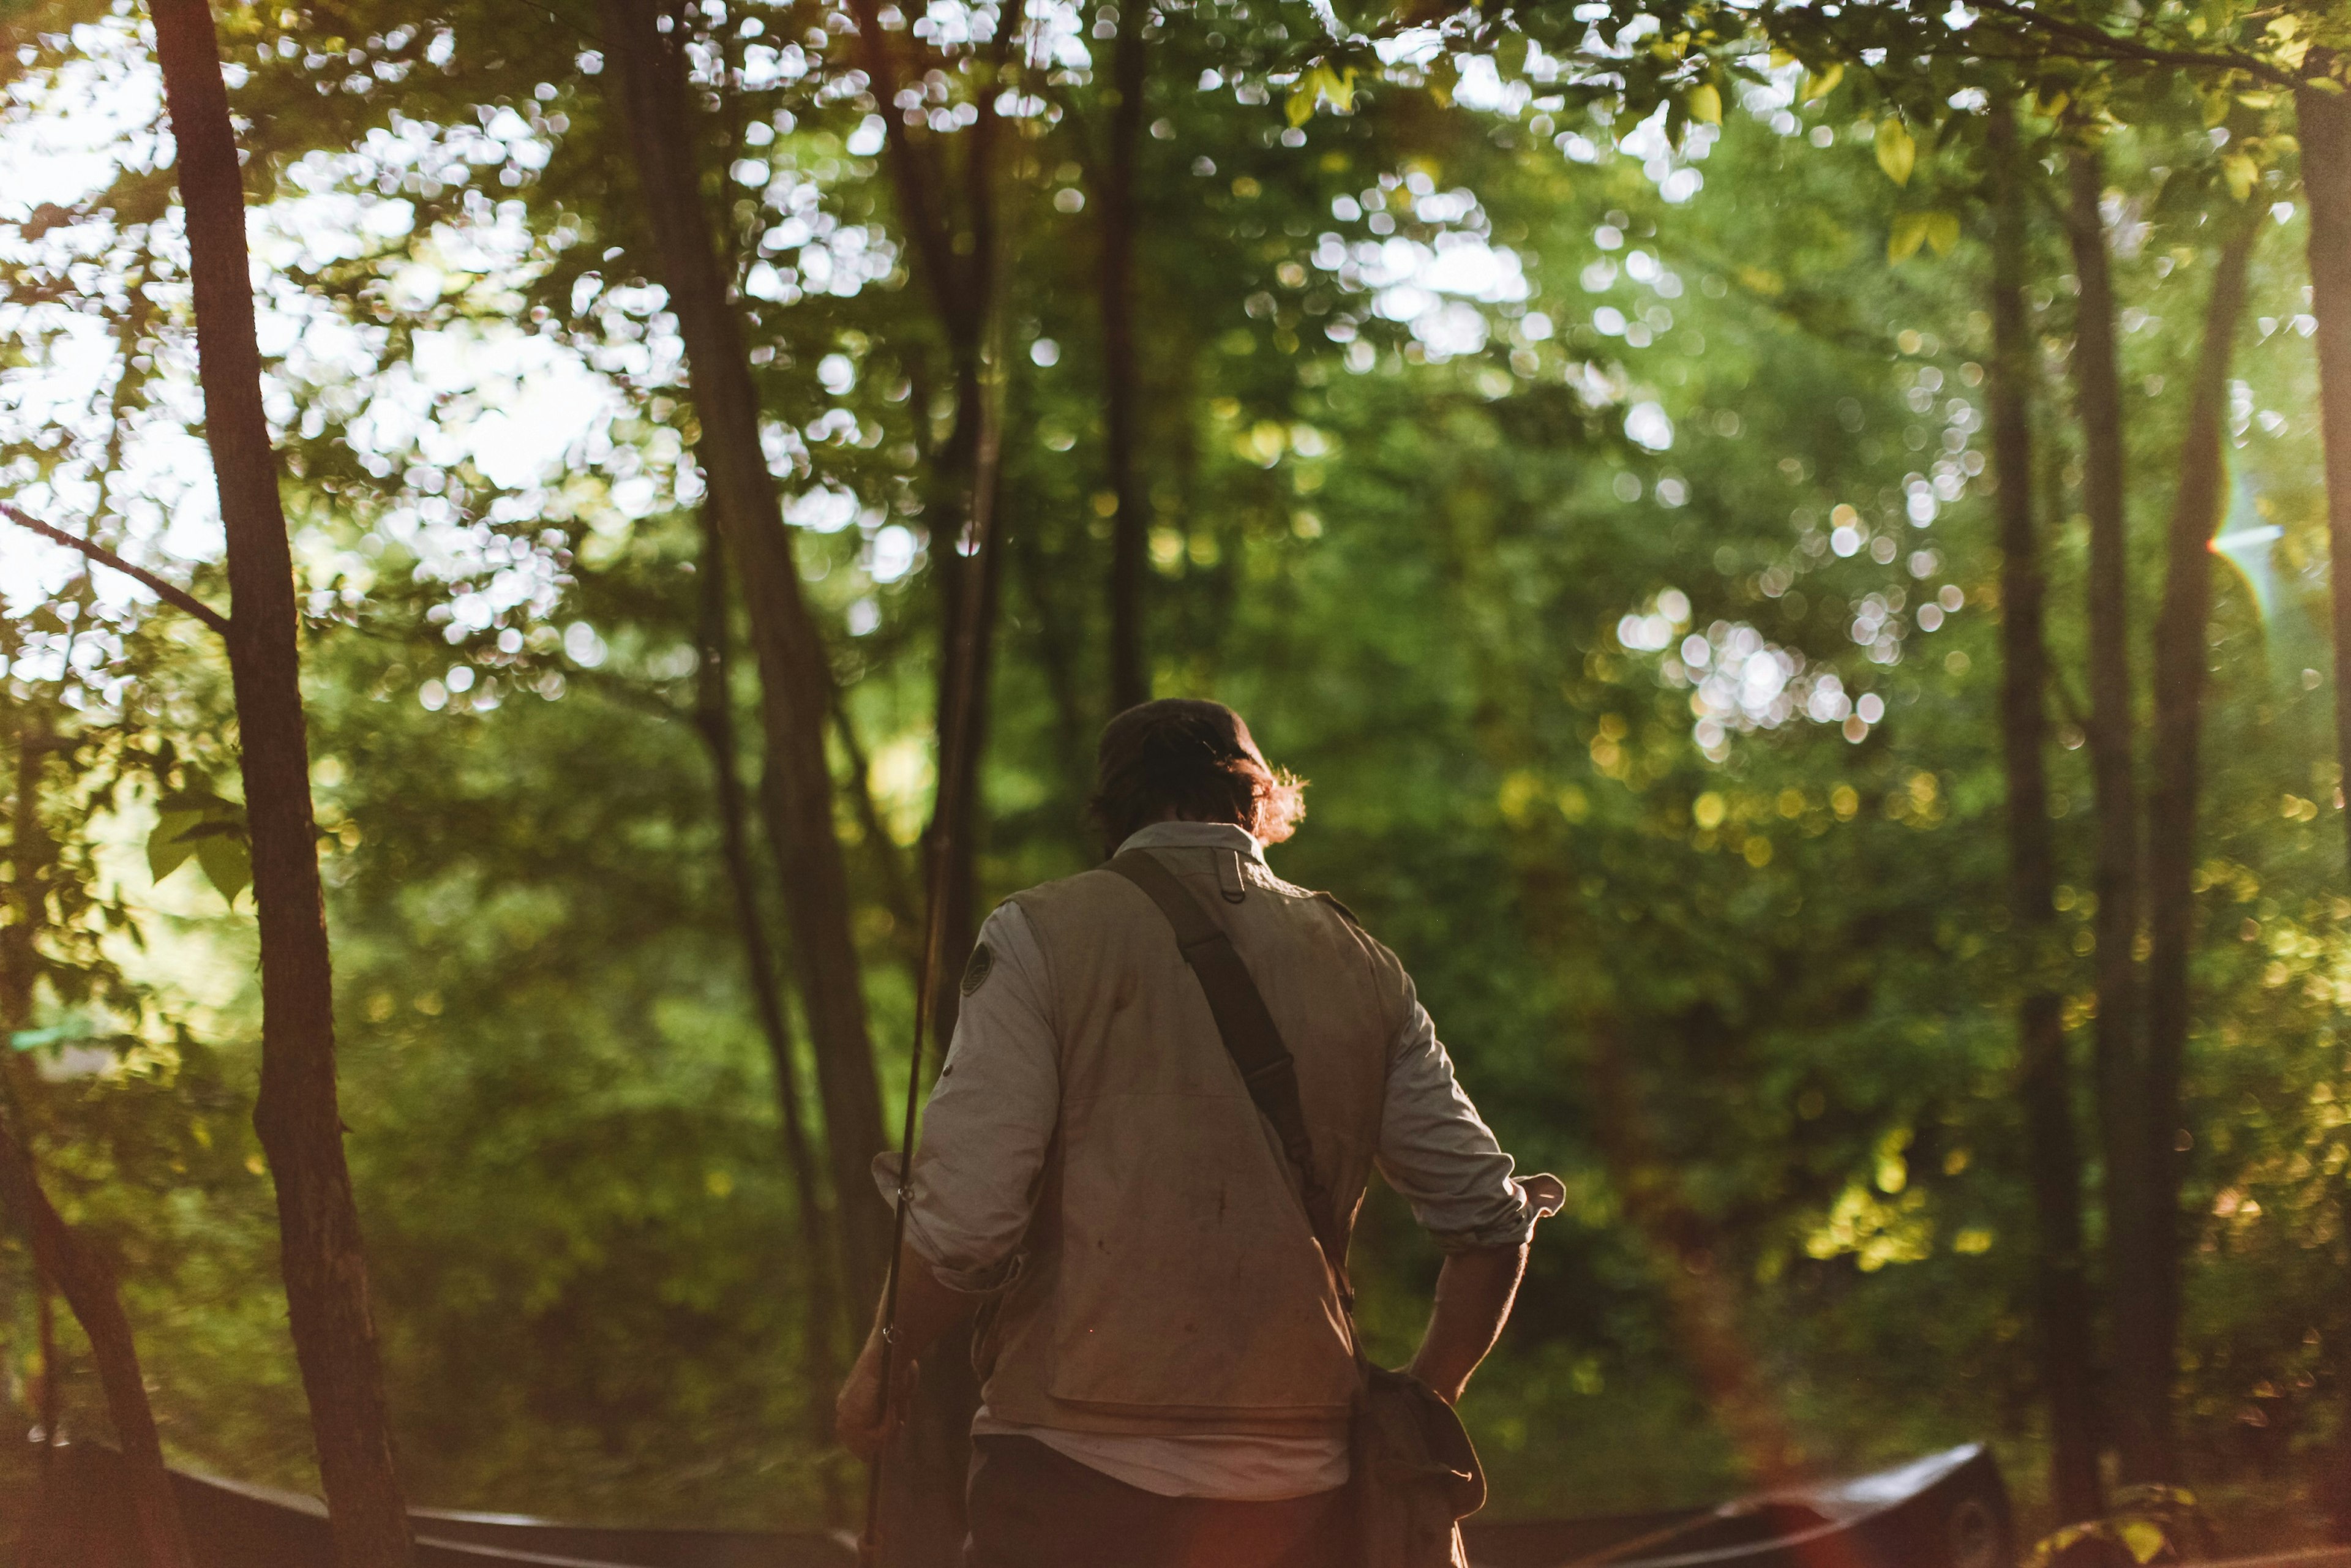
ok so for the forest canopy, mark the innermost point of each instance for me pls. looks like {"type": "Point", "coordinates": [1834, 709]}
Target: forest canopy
{"type": "Point", "coordinates": [1792, 544]}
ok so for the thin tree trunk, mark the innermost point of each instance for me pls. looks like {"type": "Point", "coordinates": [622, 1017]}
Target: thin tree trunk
{"type": "Point", "coordinates": [88, 1284]}
{"type": "Point", "coordinates": [1130, 676]}
{"type": "Point", "coordinates": [915, 174]}
{"type": "Point", "coordinates": [820, 1319]}
{"type": "Point", "coordinates": [296, 1115]}
{"type": "Point", "coordinates": [922, 1492]}
{"type": "Point", "coordinates": [2182, 651]}
{"type": "Point", "coordinates": [61, 1256]}
{"type": "Point", "coordinates": [954, 268]}
{"type": "Point", "coordinates": [794, 675]}
{"type": "Point", "coordinates": [959, 872]}
{"type": "Point", "coordinates": [923, 1496]}
{"type": "Point", "coordinates": [972, 476]}
{"type": "Point", "coordinates": [2141, 1380]}
{"type": "Point", "coordinates": [959, 269]}
{"type": "Point", "coordinates": [2324, 122]}
{"type": "Point", "coordinates": [2054, 1155]}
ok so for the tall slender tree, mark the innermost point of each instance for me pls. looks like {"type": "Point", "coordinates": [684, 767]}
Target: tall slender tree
{"type": "Point", "coordinates": [2141, 1380]}
{"type": "Point", "coordinates": [2322, 118]}
{"type": "Point", "coordinates": [820, 1319]}
{"type": "Point", "coordinates": [2182, 651]}
{"type": "Point", "coordinates": [958, 252]}
{"type": "Point", "coordinates": [955, 226]}
{"type": "Point", "coordinates": [646, 47]}
{"type": "Point", "coordinates": [2045, 1083]}
{"type": "Point", "coordinates": [296, 1115]}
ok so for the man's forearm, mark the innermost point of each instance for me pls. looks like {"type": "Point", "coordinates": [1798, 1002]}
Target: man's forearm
{"type": "Point", "coordinates": [926, 1309]}
{"type": "Point", "coordinates": [1474, 1293]}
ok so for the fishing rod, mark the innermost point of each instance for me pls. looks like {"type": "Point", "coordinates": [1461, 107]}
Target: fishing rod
{"type": "Point", "coordinates": [957, 738]}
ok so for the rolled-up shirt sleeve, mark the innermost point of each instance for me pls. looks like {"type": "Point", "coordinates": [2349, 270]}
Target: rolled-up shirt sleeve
{"type": "Point", "coordinates": [1439, 1154]}
{"type": "Point", "coordinates": [990, 1119]}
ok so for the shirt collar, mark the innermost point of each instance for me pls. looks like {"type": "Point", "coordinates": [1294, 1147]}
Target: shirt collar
{"type": "Point", "coordinates": [1194, 836]}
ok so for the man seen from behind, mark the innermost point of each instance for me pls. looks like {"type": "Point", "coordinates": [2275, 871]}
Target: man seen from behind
{"type": "Point", "coordinates": [1167, 1366]}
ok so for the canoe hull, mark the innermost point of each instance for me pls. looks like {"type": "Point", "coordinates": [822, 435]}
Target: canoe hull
{"type": "Point", "coordinates": [1948, 1510]}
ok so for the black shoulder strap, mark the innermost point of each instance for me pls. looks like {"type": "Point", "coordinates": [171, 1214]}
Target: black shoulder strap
{"type": "Point", "coordinates": [1251, 1036]}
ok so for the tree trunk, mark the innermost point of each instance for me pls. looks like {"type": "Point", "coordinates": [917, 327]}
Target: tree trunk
{"type": "Point", "coordinates": [296, 1114]}
{"type": "Point", "coordinates": [2182, 636]}
{"type": "Point", "coordinates": [923, 1491]}
{"type": "Point", "coordinates": [60, 1255]}
{"type": "Point", "coordinates": [959, 271]}
{"type": "Point", "coordinates": [820, 1321]}
{"type": "Point", "coordinates": [924, 1497]}
{"type": "Point", "coordinates": [87, 1283]}
{"type": "Point", "coordinates": [2053, 1154]}
{"type": "Point", "coordinates": [794, 675]}
{"type": "Point", "coordinates": [968, 483]}
{"type": "Point", "coordinates": [1129, 674]}
{"type": "Point", "coordinates": [2324, 122]}
{"type": "Point", "coordinates": [2141, 1377]}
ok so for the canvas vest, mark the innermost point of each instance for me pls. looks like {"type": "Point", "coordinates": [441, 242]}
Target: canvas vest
{"type": "Point", "coordinates": [1169, 1281]}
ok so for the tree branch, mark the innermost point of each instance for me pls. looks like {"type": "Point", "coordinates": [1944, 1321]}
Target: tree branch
{"type": "Point", "coordinates": [2128, 49]}
{"type": "Point", "coordinates": [178, 598]}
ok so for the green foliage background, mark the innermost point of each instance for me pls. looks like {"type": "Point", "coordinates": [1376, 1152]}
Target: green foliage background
{"type": "Point", "coordinates": [1418, 557]}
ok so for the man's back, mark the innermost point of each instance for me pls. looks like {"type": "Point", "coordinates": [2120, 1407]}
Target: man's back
{"type": "Point", "coordinates": [1174, 1282]}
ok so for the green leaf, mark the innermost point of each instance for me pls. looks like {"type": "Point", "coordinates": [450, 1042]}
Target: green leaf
{"type": "Point", "coordinates": [2242, 174]}
{"type": "Point", "coordinates": [1320, 86]}
{"type": "Point", "coordinates": [1942, 231]}
{"type": "Point", "coordinates": [1909, 234]}
{"type": "Point", "coordinates": [228, 865]}
{"type": "Point", "coordinates": [1705, 103]}
{"type": "Point", "coordinates": [1819, 85]}
{"type": "Point", "coordinates": [167, 846]}
{"type": "Point", "coordinates": [1897, 153]}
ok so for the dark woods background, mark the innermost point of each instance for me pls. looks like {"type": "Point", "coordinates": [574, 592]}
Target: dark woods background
{"type": "Point", "coordinates": [1611, 511]}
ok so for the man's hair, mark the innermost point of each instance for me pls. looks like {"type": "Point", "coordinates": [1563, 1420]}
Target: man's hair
{"type": "Point", "coordinates": [1196, 759]}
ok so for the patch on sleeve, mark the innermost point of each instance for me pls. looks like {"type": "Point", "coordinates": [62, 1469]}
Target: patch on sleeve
{"type": "Point", "coordinates": [976, 973]}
